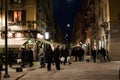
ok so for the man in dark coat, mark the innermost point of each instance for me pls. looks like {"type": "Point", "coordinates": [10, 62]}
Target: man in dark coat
{"type": "Point", "coordinates": [49, 56]}
{"type": "Point", "coordinates": [81, 54]}
{"type": "Point", "coordinates": [10, 57]}
{"type": "Point", "coordinates": [23, 56]}
{"type": "Point", "coordinates": [56, 55]}
{"type": "Point", "coordinates": [94, 54]}
{"type": "Point", "coordinates": [103, 54]}
{"type": "Point", "coordinates": [30, 57]}
{"type": "Point", "coordinates": [65, 54]}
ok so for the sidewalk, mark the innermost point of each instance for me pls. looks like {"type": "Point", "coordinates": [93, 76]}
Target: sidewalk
{"type": "Point", "coordinates": [76, 71]}
{"type": "Point", "coordinates": [80, 70]}
{"type": "Point", "coordinates": [14, 75]}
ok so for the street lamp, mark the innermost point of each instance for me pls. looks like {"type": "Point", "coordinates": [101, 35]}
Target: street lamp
{"type": "Point", "coordinates": [6, 64]}
{"type": "Point", "coordinates": [68, 25]}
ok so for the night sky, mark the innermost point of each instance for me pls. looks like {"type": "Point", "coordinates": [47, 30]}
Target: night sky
{"type": "Point", "coordinates": [65, 11]}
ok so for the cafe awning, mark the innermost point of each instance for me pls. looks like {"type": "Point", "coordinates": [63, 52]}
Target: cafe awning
{"type": "Point", "coordinates": [49, 42]}
{"type": "Point", "coordinates": [13, 42]}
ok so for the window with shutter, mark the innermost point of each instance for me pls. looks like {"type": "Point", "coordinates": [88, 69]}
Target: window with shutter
{"type": "Point", "coordinates": [17, 16]}
{"type": "Point", "coordinates": [23, 17]}
{"type": "Point", "coordinates": [10, 16]}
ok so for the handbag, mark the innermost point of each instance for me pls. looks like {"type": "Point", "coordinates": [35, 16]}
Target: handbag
{"type": "Point", "coordinates": [62, 58]}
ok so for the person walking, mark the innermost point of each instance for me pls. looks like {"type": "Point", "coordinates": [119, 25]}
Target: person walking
{"type": "Point", "coordinates": [107, 55]}
{"type": "Point", "coordinates": [41, 57]}
{"type": "Point", "coordinates": [81, 54]}
{"type": "Point", "coordinates": [62, 58]}
{"type": "Point", "coordinates": [49, 56]}
{"type": "Point", "coordinates": [56, 55]}
{"type": "Point", "coordinates": [66, 54]}
{"type": "Point", "coordinates": [69, 56]}
{"type": "Point", "coordinates": [75, 53]}
{"type": "Point", "coordinates": [94, 54]}
{"type": "Point", "coordinates": [10, 57]}
{"type": "Point", "coordinates": [23, 56]}
{"type": "Point", "coordinates": [30, 57]}
{"type": "Point", "coordinates": [103, 54]}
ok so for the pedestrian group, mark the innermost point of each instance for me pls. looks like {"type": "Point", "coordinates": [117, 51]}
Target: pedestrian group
{"type": "Point", "coordinates": [59, 56]}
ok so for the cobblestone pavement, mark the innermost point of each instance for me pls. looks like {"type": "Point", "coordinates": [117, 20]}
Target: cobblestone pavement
{"type": "Point", "coordinates": [16, 75]}
{"type": "Point", "coordinates": [77, 71]}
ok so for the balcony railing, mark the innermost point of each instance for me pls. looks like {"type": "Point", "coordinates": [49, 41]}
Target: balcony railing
{"type": "Point", "coordinates": [17, 4]}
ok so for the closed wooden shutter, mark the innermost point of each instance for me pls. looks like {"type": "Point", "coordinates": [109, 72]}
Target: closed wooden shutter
{"type": "Point", "coordinates": [23, 17]}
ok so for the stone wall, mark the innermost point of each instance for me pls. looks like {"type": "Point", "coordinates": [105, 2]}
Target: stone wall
{"type": "Point", "coordinates": [115, 40]}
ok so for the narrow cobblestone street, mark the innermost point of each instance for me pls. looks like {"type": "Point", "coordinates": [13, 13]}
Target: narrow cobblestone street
{"type": "Point", "coordinates": [77, 71]}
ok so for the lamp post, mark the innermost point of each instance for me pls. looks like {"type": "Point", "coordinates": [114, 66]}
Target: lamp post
{"type": "Point", "coordinates": [6, 64]}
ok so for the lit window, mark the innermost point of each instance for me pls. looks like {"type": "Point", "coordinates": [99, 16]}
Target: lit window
{"type": "Point", "coordinates": [18, 35]}
{"type": "Point", "coordinates": [10, 34]}
{"type": "Point", "coordinates": [17, 16]}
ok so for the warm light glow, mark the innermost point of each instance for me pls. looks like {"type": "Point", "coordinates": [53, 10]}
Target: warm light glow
{"type": "Point", "coordinates": [18, 35]}
{"type": "Point", "coordinates": [15, 27]}
{"type": "Point", "coordinates": [100, 44]}
{"type": "Point", "coordinates": [9, 34]}
{"type": "Point", "coordinates": [17, 16]}
{"type": "Point", "coordinates": [80, 42]}
{"type": "Point", "coordinates": [84, 46]}
{"type": "Point", "coordinates": [0, 34]}
{"type": "Point", "coordinates": [30, 41]}
{"type": "Point", "coordinates": [88, 41]}
{"type": "Point", "coordinates": [46, 35]}
{"type": "Point", "coordinates": [2, 22]}
{"type": "Point", "coordinates": [40, 36]}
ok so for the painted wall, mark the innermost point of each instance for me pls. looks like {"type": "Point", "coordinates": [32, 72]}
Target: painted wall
{"type": "Point", "coordinates": [114, 7]}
